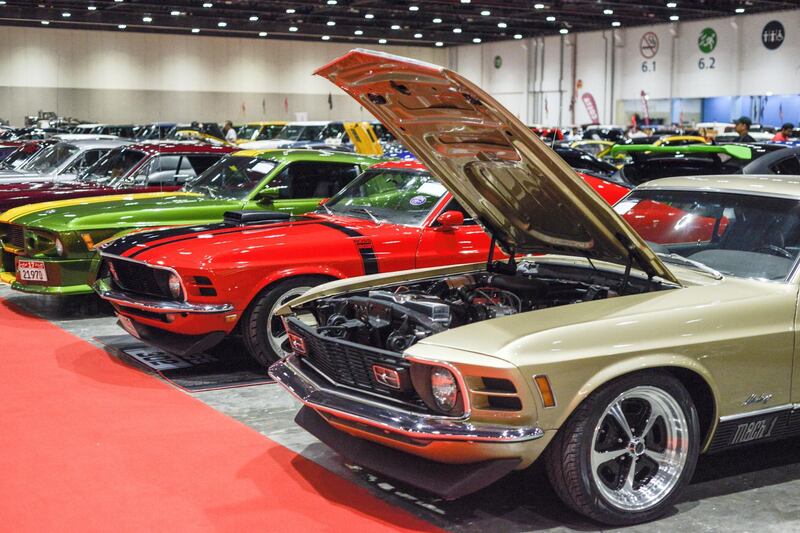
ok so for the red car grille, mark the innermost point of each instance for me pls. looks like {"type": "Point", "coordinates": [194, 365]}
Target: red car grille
{"type": "Point", "coordinates": [137, 278]}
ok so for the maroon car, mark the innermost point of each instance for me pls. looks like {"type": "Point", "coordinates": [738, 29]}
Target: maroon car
{"type": "Point", "coordinates": [146, 167]}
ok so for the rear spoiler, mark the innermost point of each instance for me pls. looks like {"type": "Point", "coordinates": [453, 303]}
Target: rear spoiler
{"type": "Point", "coordinates": [733, 150]}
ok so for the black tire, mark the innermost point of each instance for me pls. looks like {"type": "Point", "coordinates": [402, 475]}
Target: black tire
{"type": "Point", "coordinates": [568, 459]}
{"type": "Point", "coordinates": [254, 325]}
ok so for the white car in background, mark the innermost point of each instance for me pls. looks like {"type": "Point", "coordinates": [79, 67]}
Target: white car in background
{"type": "Point", "coordinates": [314, 135]}
{"type": "Point", "coordinates": [61, 162]}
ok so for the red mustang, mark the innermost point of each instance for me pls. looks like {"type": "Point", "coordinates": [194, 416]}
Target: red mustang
{"type": "Point", "coordinates": [186, 289]}
{"type": "Point", "coordinates": [146, 167]}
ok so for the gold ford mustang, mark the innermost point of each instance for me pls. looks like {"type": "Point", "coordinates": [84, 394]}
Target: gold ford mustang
{"type": "Point", "coordinates": [581, 348]}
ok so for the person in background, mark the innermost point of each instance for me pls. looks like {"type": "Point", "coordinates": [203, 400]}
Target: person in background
{"type": "Point", "coordinates": [742, 127]}
{"type": "Point", "coordinates": [230, 133]}
{"type": "Point", "coordinates": [784, 133]}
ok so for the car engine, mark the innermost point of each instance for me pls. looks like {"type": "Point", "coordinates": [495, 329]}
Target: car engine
{"type": "Point", "coordinates": [394, 318]}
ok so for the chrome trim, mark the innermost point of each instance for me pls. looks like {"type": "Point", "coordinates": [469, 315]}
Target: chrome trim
{"type": "Point", "coordinates": [768, 410]}
{"type": "Point", "coordinates": [156, 306]}
{"type": "Point", "coordinates": [409, 424]}
{"type": "Point", "coordinates": [148, 265]}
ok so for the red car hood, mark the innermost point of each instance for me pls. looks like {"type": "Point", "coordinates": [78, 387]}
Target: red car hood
{"type": "Point", "coordinates": [220, 245]}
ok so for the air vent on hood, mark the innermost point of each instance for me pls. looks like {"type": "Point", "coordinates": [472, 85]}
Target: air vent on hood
{"type": "Point", "coordinates": [246, 218]}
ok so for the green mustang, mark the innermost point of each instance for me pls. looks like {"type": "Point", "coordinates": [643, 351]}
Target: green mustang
{"type": "Point", "coordinates": [48, 248]}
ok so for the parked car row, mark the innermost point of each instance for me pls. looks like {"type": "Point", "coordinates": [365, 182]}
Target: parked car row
{"type": "Point", "coordinates": [448, 320]}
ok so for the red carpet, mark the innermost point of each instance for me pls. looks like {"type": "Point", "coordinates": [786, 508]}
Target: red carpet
{"type": "Point", "coordinates": [87, 444]}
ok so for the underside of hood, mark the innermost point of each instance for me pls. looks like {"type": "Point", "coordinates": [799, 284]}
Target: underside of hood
{"type": "Point", "coordinates": [519, 189]}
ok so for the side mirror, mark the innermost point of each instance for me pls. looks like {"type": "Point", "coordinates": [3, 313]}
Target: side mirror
{"type": "Point", "coordinates": [268, 195]}
{"type": "Point", "coordinates": [449, 220]}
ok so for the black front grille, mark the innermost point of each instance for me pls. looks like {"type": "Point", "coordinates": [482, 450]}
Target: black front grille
{"type": "Point", "coordinates": [16, 235]}
{"type": "Point", "coordinates": [138, 278]}
{"type": "Point", "coordinates": [351, 365]}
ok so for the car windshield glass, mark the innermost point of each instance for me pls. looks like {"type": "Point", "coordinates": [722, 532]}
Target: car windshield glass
{"type": "Point", "coordinates": [248, 132]}
{"type": "Point", "coordinates": [392, 195]}
{"type": "Point", "coordinates": [114, 165]}
{"type": "Point", "coordinates": [301, 133]}
{"type": "Point", "coordinates": [232, 177]}
{"type": "Point", "coordinates": [736, 234]}
{"type": "Point", "coordinates": [18, 158]}
{"type": "Point", "coordinates": [50, 159]}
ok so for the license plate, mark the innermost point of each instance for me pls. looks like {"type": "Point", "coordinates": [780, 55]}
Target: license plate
{"type": "Point", "coordinates": [127, 325]}
{"type": "Point", "coordinates": [31, 270]}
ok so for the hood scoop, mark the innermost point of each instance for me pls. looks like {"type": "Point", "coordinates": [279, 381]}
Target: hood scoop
{"type": "Point", "coordinates": [250, 218]}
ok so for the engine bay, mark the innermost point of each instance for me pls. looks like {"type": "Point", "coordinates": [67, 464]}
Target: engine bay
{"type": "Point", "coordinates": [395, 317]}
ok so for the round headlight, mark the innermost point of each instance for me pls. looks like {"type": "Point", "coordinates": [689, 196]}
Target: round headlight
{"type": "Point", "coordinates": [444, 388]}
{"type": "Point", "coordinates": [59, 247]}
{"type": "Point", "coordinates": [174, 285]}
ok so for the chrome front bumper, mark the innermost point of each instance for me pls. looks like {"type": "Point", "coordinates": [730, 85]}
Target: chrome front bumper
{"type": "Point", "coordinates": [409, 424]}
{"type": "Point", "coordinates": [153, 305]}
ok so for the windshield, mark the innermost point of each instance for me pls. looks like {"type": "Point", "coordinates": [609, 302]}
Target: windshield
{"type": "Point", "coordinates": [50, 159]}
{"type": "Point", "coordinates": [232, 177]}
{"type": "Point", "coordinates": [115, 164]}
{"type": "Point", "coordinates": [301, 133]}
{"type": "Point", "coordinates": [736, 234]}
{"type": "Point", "coordinates": [392, 195]}
{"type": "Point", "coordinates": [256, 132]}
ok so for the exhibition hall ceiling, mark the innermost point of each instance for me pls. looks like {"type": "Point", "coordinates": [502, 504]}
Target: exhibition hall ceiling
{"type": "Point", "coordinates": [365, 22]}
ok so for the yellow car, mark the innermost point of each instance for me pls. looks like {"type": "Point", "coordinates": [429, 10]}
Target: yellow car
{"type": "Point", "coordinates": [613, 362]}
{"type": "Point", "coordinates": [259, 131]}
{"type": "Point", "coordinates": [599, 149]}
{"type": "Point", "coordinates": [680, 140]}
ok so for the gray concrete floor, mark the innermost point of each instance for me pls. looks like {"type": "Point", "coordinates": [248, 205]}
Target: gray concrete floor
{"type": "Point", "coordinates": [755, 489]}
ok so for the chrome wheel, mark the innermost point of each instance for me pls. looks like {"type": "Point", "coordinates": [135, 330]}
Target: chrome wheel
{"type": "Point", "coordinates": [275, 330]}
{"type": "Point", "coordinates": [639, 448]}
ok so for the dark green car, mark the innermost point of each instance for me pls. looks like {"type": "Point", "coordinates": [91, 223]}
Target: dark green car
{"type": "Point", "coordinates": [48, 248]}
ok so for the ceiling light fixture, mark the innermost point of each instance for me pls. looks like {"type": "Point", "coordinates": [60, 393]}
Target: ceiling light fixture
{"type": "Point", "coordinates": [332, 2]}
{"type": "Point", "coordinates": [326, 37]}
{"type": "Point", "coordinates": [456, 30]}
{"type": "Point", "coordinates": [517, 36]}
{"type": "Point", "coordinates": [616, 24]}
{"type": "Point", "coordinates": [381, 41]}
{"type": "Point", "coordinates": [608, 12]}
{"type": "Point", "coordinates": [437, 20]}
{"type": "Point", "coordinates": [208, 4]}
{"type": "Point", "coordinates": [292, 28]}
{"type": "Point", "coordinates": [195, 30]}
{"type": "Point", "coordinates": [122, 26]}
{"type": "Point", "coordinates": [66, 15]}
{"type": "Point", "coordinates": [290, 11]}
{"type": "Point", "coordinates": [739, 10]}
{"type": "Point", "coordinates": [674, 18]}
{"type": "Point", "coordinates": [147, 19]}
{"type": "Point", "coordinates": [486, 12]}
{"type": "Point", "coordinates": [331, 23]}
{"type": "Point", "coordinates": [563, 31]}
{"type": "Point", "coordinates": [253, 18]}
{"type": "Point", "coordinates": [439, 43]}
{"type": "Point", "coordinates": [45, 22]}
{"type": "Point", "coordinates": [369, 16]}
{"type": "Point", "coordinates": [413, 8]}
{"type": "Point", "coordinates": [395, 26]}
{"type": "Point", "coordinates": [502, 25]}
{"type": "Point", "coordinates": [91, 8]}
{"type": "Point", "coordinates": [262, 34]}
{"type": "Point", "coordinates": [476, 40]}
{"type": "Point", "coordinates": [174, 13]}
{"type": "Point", "coordinates": [466, 1]}
{"type": "Point", "coordinates": [358, 32]}
{"type": "Point", "coordinates": [222, 24]}
{"type": "Point", "coordinates": [551, 18]}
{"type": "Point", "coordinates": [672, 5]}
{"type": "Point", "coordinates": [538, 6]}
{"type": "Point", "coordinates": [417, 36]}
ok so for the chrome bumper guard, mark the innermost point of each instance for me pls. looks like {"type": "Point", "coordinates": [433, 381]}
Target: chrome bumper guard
{"type": "Point", "coordinates": [105, 291]}
{"type": "Point", "coordinates": [413, 425]}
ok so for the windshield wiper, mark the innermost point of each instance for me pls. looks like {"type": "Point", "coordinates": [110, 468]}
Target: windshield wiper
{"type": "Point", "coordinates": [367, 212]}
{"type": "Point", "coordinates": [699, 266]}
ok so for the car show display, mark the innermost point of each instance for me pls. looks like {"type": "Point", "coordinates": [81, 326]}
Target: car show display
{"type": "Point", "coordinates": [400, 266]}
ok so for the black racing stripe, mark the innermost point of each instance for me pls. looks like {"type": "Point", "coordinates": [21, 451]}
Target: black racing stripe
{"type": "Point", "coordinates": [368, 257]}
{"type": "Point", "coordinates": [237, 229]}
{"type": "Point", "coordinates": [143, 240]}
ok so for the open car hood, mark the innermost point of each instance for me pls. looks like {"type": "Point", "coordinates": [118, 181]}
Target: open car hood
{"type": "Point", "coordinates": [520, 190]}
